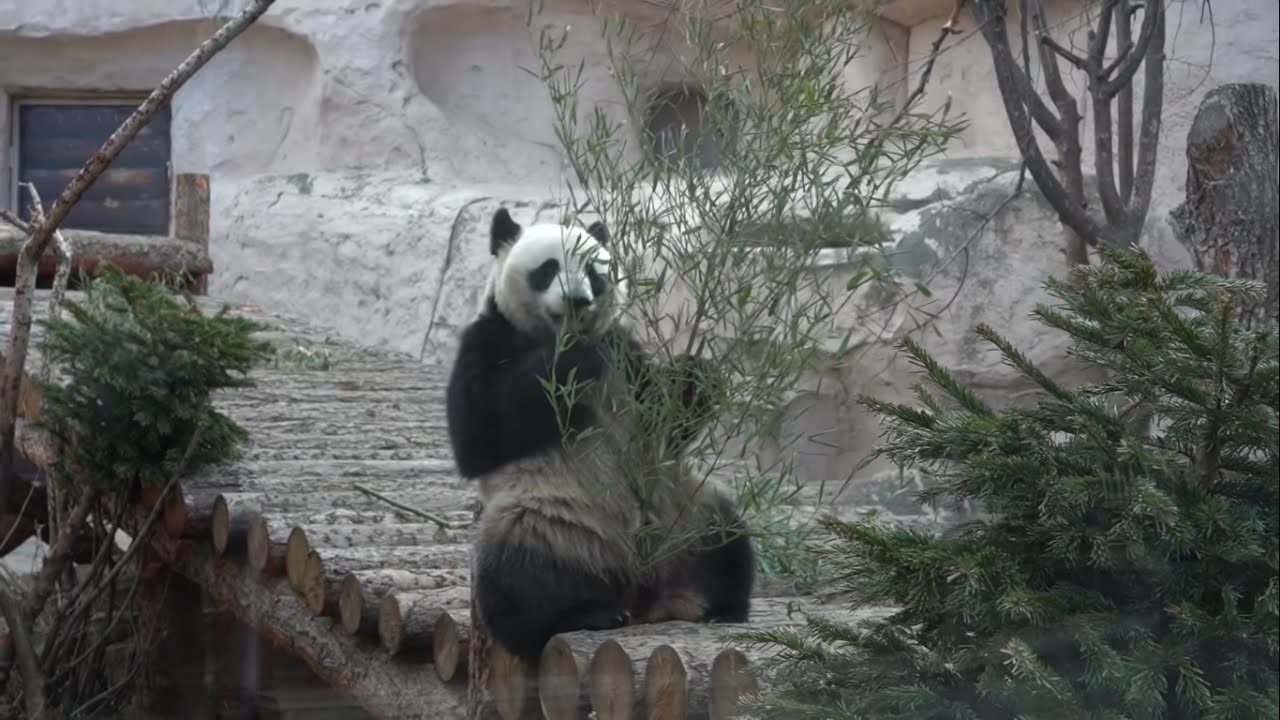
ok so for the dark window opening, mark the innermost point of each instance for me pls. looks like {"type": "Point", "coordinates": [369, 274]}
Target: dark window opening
{"type": "Point", "coordinates": [55, 139]}
{"type": "Point", "coordinates": [678, 131]}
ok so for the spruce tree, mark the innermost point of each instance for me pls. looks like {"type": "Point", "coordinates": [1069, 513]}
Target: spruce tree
{"type": "Point", "coordinates": [1124, 564]}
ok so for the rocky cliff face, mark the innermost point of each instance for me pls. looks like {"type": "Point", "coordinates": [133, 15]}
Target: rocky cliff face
{"type": "Point", "coordinates": [396, 261]}
{"type": "Point", "coordinates": [357, 148]}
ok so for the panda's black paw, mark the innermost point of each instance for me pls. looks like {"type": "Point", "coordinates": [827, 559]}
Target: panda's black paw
{"type": "Point", "coordinates": [582, 360]}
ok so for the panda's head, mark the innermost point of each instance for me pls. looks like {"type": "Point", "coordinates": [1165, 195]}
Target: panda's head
{"type": "Point", "coordinates": [549, 277]}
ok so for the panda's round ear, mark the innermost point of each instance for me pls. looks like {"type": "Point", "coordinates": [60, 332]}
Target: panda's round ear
{"type": "Point", "coordinates": [598, 231]}
{"type": "Point", "coordinates": [502, 230]}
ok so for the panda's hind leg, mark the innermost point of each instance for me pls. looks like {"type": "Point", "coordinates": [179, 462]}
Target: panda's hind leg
{"type": "Point", "coordinates": [531, 584]}
{"type": "Point", "coordinates": [724, 569]}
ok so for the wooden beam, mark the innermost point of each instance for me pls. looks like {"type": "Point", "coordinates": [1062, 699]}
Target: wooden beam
{"type": "Point", "coordinates": [191, 217]}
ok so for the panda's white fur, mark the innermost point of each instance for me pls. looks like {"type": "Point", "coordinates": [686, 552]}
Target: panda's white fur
{"type": "Point", "coordinates": [558, 548]}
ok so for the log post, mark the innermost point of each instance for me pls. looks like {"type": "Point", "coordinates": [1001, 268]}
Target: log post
{"type": "Point", "coordinates": [360, 593]}
{"type": "Point", "coordinates": [265, 547]}
{"type": "Point", "coordinates": [732, 679]}
{"type": "Point", "coordinates": [229, 531]}
{"type": "Point", "coordinates": [406, 620]}
{"type": "Point", "coordinates": [449, 642]}
{"type": "Point", "coordinates": [237, 661]}
{"type": "Point", "coordinates": [320, 584]}
{"type": "Point", "coordinates": [188, 512]}
{"type": "Point", "coordinates": [172, 649]}
{"type": "Point", "coordinates": [1230, 220]}
{"type": "Point", "coordinates": [497, 681]}
{"type": "Point", "coordinates": [191, 218]}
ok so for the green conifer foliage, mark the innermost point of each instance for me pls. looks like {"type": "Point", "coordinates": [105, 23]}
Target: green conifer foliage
{"type": "Point", "coordinates": [141, 363]}
{"type": "Point", "coordinates": [1125, 565]}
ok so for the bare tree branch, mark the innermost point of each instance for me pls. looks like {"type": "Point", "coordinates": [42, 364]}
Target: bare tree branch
{"type": "Point", "coordinates": [1152, 26]}
{"type": "Point", "coordinates": [1152, 114]}
{"type": "Point", "coordinates": [1063, 52]}
{"type": "Point", "coordinates": [33, 249]}
{"type": "Point", "coordinates": [1124, 203]}
{"type": "Point", "coordinates": [990, 16]}
{"type": "Point", "coordinates": [1124, 104]}
{"type": "Point", "coordinates": [19, 622]}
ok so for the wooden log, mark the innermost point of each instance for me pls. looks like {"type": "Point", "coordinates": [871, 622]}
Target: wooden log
{"type": "Point", "coordinates": [564, 691]}
{"type": "Point", "coordinates": [1231, 216]}
{"type": "Point", "coordinates": [266, 546]}
{"type": "Point", "coordinates": [296, 552]}
{"type": "Point", "coordinates": [309, 497]}
{"type": "Point", "coordinates": [449, 642]}
{"type": "Point", "coordinates": [188, 512]}
{"type": "Point", "coordinates": [660, 670]}
{"type": "Point", "coordinates": [172, 665]}
{"type": "Point", "coordinates": [322, 576]}
{"type": "Point", "coordinates": [233, 680]}
{"type": "Point", "coordinates": [499, 686]}
{"type": "Point", "coordinates": [732, 680]}
{"type": "Point", "coordinates": [406, 620]}
{"type": "Point", "coordinates": [302, 539]}
{"type": "Point", "coordinates": [191, 217]}
{"type": "Point", "coordinates": [385, 687]}
{"type": "Point", "coordinates": [357, 535]}
{"type": "Point", "coordinates": [360, 593]}
{"type": "Point", "coordinates": [229, 532]}
{"type": "Point", "coordinates": [666, 685]}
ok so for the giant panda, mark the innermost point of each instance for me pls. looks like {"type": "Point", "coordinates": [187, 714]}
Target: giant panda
{"type": "Point", "coordinates": [557, 547]}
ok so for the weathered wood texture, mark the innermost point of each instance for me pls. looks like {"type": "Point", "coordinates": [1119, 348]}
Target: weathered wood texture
{"type": "Point", "coordinates": [1230, 220]}
{"type": "Point", "coordinates": [131, 196]}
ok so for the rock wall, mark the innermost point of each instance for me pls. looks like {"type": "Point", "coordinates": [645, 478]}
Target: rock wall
{"type": "Point", "coordinates": [357, 147]}
{"type": "Point", "coordinates": [400, 262]}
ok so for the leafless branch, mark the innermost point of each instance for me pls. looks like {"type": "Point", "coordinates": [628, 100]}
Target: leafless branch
{"type": "Point", "coordinates": [429, 517]}
{"type": "Point", "coordinates": [1063, 52]}
{"type": "Point", "coordinates": [1152, 112]}
{"type": "Point", "coordinates": [60, 278]}
{"type": "Point", "coordinates": [19, 622]}
{"type": "Point", "coordinates": [41, 234]}
{"type": "Point", "coordinates": [1152, 30]}
{"type": "Point", "coordinates": [990, 17]}
{"type": "Point", "coordinates": [14, 220]}
{"type": "Point", "coordinates": [925, 74]}
{"type": "Point", "coordinates": [1124, 203]}
{"type": "Point", "coordinates": [1124, 104]}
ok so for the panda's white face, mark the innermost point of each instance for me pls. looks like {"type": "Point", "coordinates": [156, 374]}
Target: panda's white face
{"type": "Point", "coordinates": [553, 276]}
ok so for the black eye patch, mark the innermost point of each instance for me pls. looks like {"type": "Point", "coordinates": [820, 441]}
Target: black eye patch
{"type": "Point", "coordinates": [541, 277]}
{"type": "Point", "coordinates": [598, 284]}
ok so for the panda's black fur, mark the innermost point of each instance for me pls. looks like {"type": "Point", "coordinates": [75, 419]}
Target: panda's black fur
{"type": "Point", "coordinates": [550, 554]}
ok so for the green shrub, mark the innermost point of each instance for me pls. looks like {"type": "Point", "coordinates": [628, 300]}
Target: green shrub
{"type": "Point", "coordinates": [140, 363]}
{"type": "Point", "coordinates": [1125, 564]}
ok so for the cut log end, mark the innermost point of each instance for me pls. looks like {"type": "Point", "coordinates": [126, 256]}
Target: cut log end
{"type": "Point", "coordinates": [391, 623]}
{"type": "Point", "coordinates": [350, 604]}
{"type": "Point", "coordinates": [731, 680]}
{"type": "Point", "coordinates": [449, 648]}
{"type": "Point", "coordinates": [263, 556]}
{"type": "Point", "coordinates": [561, 672]}
{"type": "Point", "coordinates": [508, 683]}
{"type": "Point", "coordinates": [220, 526]}
{"type": "Point", "coordinates": [666, 691]}
{"type": "Point", "coordinates": [175, 512]}
{"type": "Point", "coordinates": [612, 689]}
{"type": "Point", "coordinates": [296, 552]}
{"type": "Point", "coordinates": [312, 590]}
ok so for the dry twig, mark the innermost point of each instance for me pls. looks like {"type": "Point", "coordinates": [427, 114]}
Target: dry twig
{"type": "Point", "coordinates": [429, 517]}
{"type": "Point", "coordinates": [21, 645]}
